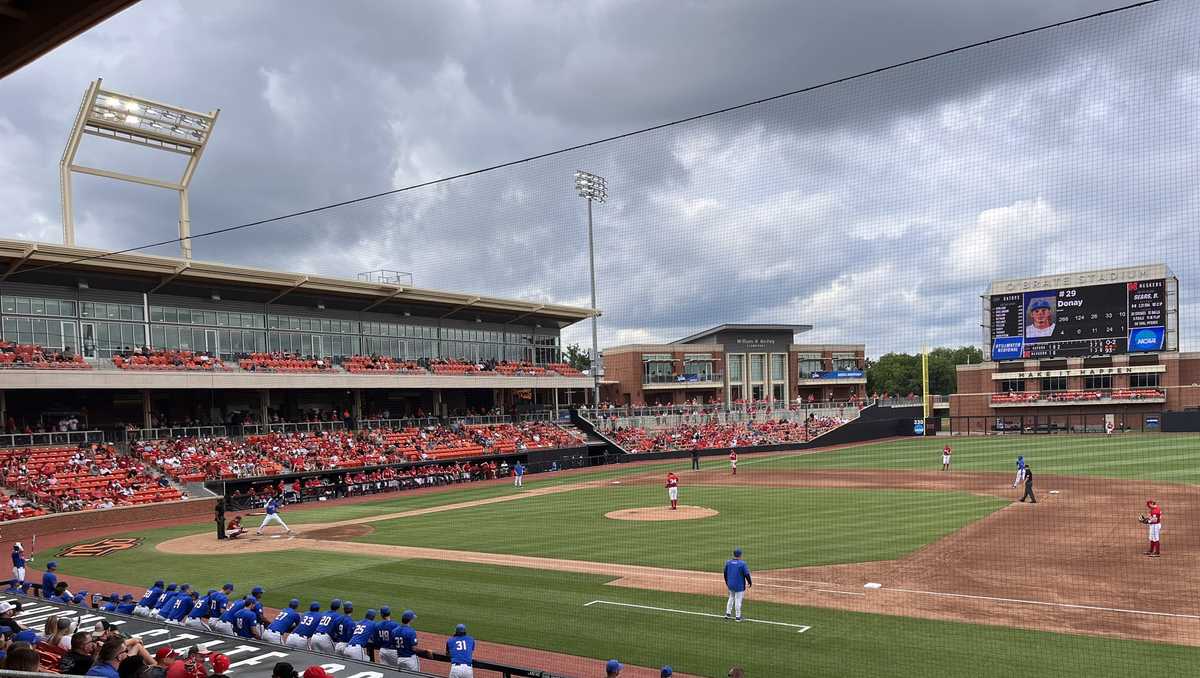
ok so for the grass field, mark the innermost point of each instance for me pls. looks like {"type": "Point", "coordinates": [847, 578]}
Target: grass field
{"type": "Point", "coordinates": [1160, 457]}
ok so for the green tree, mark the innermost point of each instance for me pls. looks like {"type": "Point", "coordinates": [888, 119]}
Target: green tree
{"type": "Point", "coordinates": [900, 373]}
{"type": "Point", "coordinates": [577, 357]}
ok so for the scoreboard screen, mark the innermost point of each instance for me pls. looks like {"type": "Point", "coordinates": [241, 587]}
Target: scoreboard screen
{"type": "Point", "coordinates": [1091, 320]}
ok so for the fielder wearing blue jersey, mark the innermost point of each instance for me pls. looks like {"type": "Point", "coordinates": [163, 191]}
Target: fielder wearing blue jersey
{"type": "Point", "coordinates": [461, 649]}
{"type": "Point", "coordinates": [198, 617]}
{"type": "Point", "coordinates": [272, 509]}
{"type": "Point", "coordinates": [149, 600]}
{"type": "Point", "coordinates": [406, 642]}
{"type": "Point", "coordinates": [169, 593]}
{"type": "Point", "coordinates": [519, 475]}
{"type": "Point", "coordinates": [385, 637]}
{"type": "Point", "coordinates": [245, 623]}
{"type": "Point", "coordinates": [343, 628]}
{"type": "Point", "coordinates": [360, 639]}
{"type": "Point", "coordinates": [224, 623]}
{"type": "Point", "coordinates": [737, 579]}
{"type": "Point", "coordinates": [300, 636]}
{"type": "Point", "coordinates": [127, 604]}
{"type": "Point", "coordinates": [284, 622]}
{"type": "Point", "coordinates": [181, 608]}
{"type": "Point", "coordinates": [323, 637]}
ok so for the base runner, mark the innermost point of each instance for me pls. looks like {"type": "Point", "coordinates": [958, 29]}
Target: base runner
{"type": "Point", "coordinates": [673, 489]}
{"type": "Point", "coordinates": [272, 509]}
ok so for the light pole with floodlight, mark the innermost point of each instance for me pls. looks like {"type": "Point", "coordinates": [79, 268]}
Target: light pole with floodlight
{"type": "Point", "coordinates": [595, 189]}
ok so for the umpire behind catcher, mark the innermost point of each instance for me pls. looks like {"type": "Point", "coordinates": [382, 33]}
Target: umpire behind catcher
{"type": "Point", "coordinates": [1028, 485]}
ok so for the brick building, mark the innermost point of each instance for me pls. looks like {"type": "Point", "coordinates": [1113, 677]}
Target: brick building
{"type": "Point", "coordinates": [734, 362]}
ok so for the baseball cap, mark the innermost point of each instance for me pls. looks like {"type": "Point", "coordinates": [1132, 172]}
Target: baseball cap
{"type": "Point", "coordinates": [5, 606]}
{"type": "Point", "coordinates": [385, 611]}
{"type": "Point", "coordinates": [335, 603]}
{"type": "Point", "coordinates": [294, 603]}
{"type": "Point", "coordinates": [347, 606]}
{"type": "Point", "coordinates": [612, 666]}
{"type": "Point", "coordinates": [52, 565]}
{"type": "Point", "coordinates": [172, 586]}
{"type": "Point", "coordinates": [26, 636]}
{"type": "Point", "coordinates": [78, 598]}
{"type": "Point", "coordinates": [370, 614]}
{"type": "Point", "coordinates": [257, 590]}
{"type": "Point", "coordinates": [185, 587]}
{"type": "Point", "coordinates": [163, 653]}
{"type": "Point", "coordinates": [220, 662]}
{"type": "Point", "coordinates": [114, 597]}
{"type": "Point", "coordinates": [127, 597]}
{"type": "Point", "coordinates": [461, 628]}
{"type": "Point", "coordinates": [314, 606]}
{"type": "Point", "coordinates": [666, 671]}
{"type": "Point", "coordinates": [1039, 303]}
{"type": "Point", "coordinates": [17, 547]}
{"type": "Point", "coordinates": [227, 587]}
{"type": "Point", "coordinates": [737, 553]}
{"type": "Point", "coordinates": [408, 616]}
{"type": "Point", "coordinates": [316, 672]}
{"type": "Point", "coordinates": [159, 583]}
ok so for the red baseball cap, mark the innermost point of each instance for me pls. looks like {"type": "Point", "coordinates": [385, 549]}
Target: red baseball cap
{"type": "Point", "coordinates": [316, 672]}
{"type": "Point", "coordinates": [163, 653]}
{"type": "Point", "coordinates": [220, 663]}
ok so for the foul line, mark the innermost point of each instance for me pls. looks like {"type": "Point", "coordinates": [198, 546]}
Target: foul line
{"type": "Point", "coordinates": [1047, 604]}
{"type": "Point", "coordinates": [802, 627]}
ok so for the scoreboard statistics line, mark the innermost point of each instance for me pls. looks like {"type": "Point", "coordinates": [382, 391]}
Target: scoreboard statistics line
{"type": "Point", "coordinates": [1079, 321]}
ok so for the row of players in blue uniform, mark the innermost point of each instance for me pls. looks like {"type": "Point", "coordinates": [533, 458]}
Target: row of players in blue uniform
{"type": "Point", "coordinates": [376, 637]}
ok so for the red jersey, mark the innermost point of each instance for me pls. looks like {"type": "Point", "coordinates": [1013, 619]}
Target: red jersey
{"type": "Point", "coordinates": [672, 480]}
{"type": "Point", "coordinates": [733, 456]}
{"type": "Point", "coordinates": [946, 450]}
{"type": "Point", "coordinates": [1155, 515]}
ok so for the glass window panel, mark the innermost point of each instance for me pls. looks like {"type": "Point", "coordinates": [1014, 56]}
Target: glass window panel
{"type": "Point", "coordinates": [67, 308]}
{"type": "Point", "coordinates": [8, 304]}
{"type": "Point", "coordinates": [756, 367]}
{"type": "Point", "coordinates": [52, 307]}
{"type": "Point", "coordinates": [37, 306]}
{"type": "Point", "coordinates": [156, 314]}
{"type": "Point", "coordinates": [23, 305]}
{"type": "Point", "coordinates": [10, 329]}
{"type": "Point", "coordinates": [125, 312]}
{"type": "Point", "coordinates": [156, 336]}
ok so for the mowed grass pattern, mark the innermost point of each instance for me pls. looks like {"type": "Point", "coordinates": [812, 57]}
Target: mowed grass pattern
{"type": "Point", "coordinates": [1161, 457]}
{"type": "Point", "coordinates": [777, 527]}
{"type": "Point", "coordinates": [545, 610]}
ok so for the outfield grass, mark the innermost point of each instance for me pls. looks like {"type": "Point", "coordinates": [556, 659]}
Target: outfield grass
{"type": "Point", "coordinates": [778, 527]}
{"type": "Point", "coordinates": [1161, 457]}
{"type": "Point", "coordinates": [546, 610]}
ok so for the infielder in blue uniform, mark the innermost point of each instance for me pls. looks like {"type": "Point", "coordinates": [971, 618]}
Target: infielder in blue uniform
{"type": "Point", "coordinates": [299, 637]}
{"type": "Point", "coordinates": [360, 638]}
{"type": "Point", "coordinates": [737, 579]}
{"type": "Point", "coordinates": [385, 637]}
{"type": "Point", "coordinates": [461, 649]}
{"type": "Point", "coordinates": [406, 643]}
{"type": "Point", "coordinates": [49, 579]}
{"type": "Point", "coordinates": [519, 475]}
{"type": "Point", "coordinates": [272, 509]}
{"type": "Point", "coordinates": [149, 600]}
{"type": "Point", "coordinates": [224, 624]}
{"type": "Point", "coordinates": [323, 636]}
{"type": "Point", "coordinates": [284, 622]}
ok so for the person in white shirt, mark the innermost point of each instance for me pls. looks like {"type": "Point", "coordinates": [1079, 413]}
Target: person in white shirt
{"type": "Point", "coordinates": [1041, 314]}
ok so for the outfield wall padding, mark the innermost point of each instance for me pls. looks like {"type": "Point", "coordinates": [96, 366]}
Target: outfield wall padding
{"type": "Point", "coordinates": [76, 521]}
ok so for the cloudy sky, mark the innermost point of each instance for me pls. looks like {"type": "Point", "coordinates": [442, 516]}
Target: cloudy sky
{"type": "Point", "coordinates": [876, 210]}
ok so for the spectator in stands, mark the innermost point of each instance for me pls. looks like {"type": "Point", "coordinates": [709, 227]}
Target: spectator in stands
{"type": "Point", "coordinates": [284, 670]}
{"type": "Point", "coordinates": [61, 637]}
{"type": "Point", "coordinates": [111, 654]}
{"type": "Point", "coordinates": [79, 659]}
{"type": "Point", "coordinates": [21, 659]}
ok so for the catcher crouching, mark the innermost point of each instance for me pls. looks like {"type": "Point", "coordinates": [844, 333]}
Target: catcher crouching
{"type": "Point", "coordinates": [1154, 522]}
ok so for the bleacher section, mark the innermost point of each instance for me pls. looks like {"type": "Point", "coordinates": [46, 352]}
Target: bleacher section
{"type": "Point", "coordinates": [284, 362]}
{"type": "Point", "coordinates": [170, 360]}
{"type": "Point", "coordinates": [1080, 397]}
{"type": "Point", "coordinates": [34, 357]}
{"type": "Point", "coordinates": [635, 439]}
{"type": "Point", "coordinates": [71, 479]}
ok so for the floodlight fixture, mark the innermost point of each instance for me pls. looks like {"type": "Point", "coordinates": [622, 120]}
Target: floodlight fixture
{"type": "Point", "coordinates": [591, 186]}
{"type": "Point", "coordinates": [111, 115]}
{"type": "Point", "coordinates": [594, 188]}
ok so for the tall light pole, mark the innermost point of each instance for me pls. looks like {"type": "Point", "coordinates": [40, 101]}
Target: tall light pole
{"type": "Point", "coordinates": [595, 189]}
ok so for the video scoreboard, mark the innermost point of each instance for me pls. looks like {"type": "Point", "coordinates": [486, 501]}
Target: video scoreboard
{"type": "Point", "coordinates": [1079, 320]}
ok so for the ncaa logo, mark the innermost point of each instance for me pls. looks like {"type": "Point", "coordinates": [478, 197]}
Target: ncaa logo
{"type": "Point", "coordinates": [1147, 339]}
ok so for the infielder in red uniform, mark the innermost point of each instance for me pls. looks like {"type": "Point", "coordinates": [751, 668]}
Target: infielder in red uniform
{"type": "Point", "coordinates": [1154, 521]}
{"type": "Point", "coordinates": [946, 452]}
{"type": "Point", "coordinates": [733, 461]}
{"type": "Point", "coordinates": [673, 489]}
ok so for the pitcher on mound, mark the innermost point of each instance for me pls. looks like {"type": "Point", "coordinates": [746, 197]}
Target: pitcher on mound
{"type": "Point", "coordinates": [272, 516]}
{"type": "Point", "coordinates": [673, 489]}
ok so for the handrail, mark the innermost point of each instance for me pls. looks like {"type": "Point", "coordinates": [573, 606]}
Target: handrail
{"type": "Point", "coordinates": [50, 438]}
{"type": "Point", "coordinates": [177, 432]}
{"type": "Point", "coordinates": [293, 427]}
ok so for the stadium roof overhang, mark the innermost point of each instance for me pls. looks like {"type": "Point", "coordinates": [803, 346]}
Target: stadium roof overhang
{"type": "Point", "coordinates": [51, 264]}
{"type": "Point", "coordinates": [31, 28]}
{"type": "Point", "coordinates": [738, 327]}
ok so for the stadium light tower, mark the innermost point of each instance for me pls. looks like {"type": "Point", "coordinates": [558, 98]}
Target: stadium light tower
{"type": "Point", "coordinates": [120, 117]}
{"type": "Point", "coordinates": [595, 189]}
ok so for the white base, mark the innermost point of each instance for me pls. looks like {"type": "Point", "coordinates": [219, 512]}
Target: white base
{"type": "Point", "coordinates": [872, 585]}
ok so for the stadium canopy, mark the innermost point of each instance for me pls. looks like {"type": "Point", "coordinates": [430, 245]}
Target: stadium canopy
{"type": "Point", "coordinates": [31, 28]}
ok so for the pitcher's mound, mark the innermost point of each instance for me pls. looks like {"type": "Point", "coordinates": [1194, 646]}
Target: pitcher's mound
{"type": "Point", "coordinates": [662, 513]}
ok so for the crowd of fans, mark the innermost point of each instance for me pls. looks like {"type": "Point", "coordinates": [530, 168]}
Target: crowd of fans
{"type": "Point", "coordinates": [138, 358]}
{"type": "Point", "coordinates": [15, 356]}
{"type": "Point", "coordinates": [1077, 396]}
{"type": "Point", "coordinates": [716, 435]}
{"type": "Point", "coordinates": [73, 479]}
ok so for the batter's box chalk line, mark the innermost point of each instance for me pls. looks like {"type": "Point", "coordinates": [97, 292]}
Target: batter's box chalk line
{"type": "Point", "coordinates": [801, 627]}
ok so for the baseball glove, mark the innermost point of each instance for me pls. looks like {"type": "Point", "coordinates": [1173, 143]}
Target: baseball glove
{"type": "Point", "coordinates": [1143, 519]}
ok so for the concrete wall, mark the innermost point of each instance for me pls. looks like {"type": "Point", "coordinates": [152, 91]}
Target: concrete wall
{"type": "Point", "coordinates": [134, 516]}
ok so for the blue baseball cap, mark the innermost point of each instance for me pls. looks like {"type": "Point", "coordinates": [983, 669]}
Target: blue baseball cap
{"type": "Point", "coordinates": [613, 666]}
{"type": "Point", "coordinates": [114, 597]}
{"type": "Point", "coordinates": [666, 671]}
{"type": "Point", "coordinates": [257, 590]}
{"type": "Point", "coordinates": [185, 587]}
{"type": "Point", "coordinates": [211, 591]}
{"type": "Point", "coordinates": [737, 553]}
{"type": "Point", "coordinates": [172, 587]}
{"type": "Point", "coordinates": [347, 606]}
{"type": "Point", "coordinates": [78, 598]}
{"type": "Point", "coordinates": [408, 616]}
{"type": "Point", "coordinates": [227, 587]}
{"type": "Point", "coordinates": [460, 629]}
{"type": "Point", "coordinates": [26, 636]}
{"type": "Point", "coordinates": [1039, 303]}
{"type": "Point", "coordinates": [385, 611]}
{"type": "Point", "coordinates": [294, 603]}
{"type": "Point", "coordinates": [159, 583]}
{"type": "Point", "coordinates": [370, 614]}
{"type": "Point", "coordinates": [250, 600]}
{"type": "Point", "coordinates": [335, 604]}
{"type": "Point", "coordinates": [127, 597]}
{"type": "Point", "coordinates": [52, 565]}
{"type": "Point", "coordinates": [314, 606]}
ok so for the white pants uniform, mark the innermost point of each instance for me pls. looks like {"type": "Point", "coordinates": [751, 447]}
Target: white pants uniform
{"type": "Point", "coordinates": [518, 481]}
{"type": "Point", "coordinates": [734, 606]}
{"type": "Point", "coordinates": [297, 641]}
{"type": "Point", "coordinates": [222, 627]}
{"type": "Point", "coordinates": [1019, 478]}
{"type": "Point", "coordinates": [321, 642]}
{"type": "Point", "coordinates": [1155, 529]}
{"type": "Point", "coordinates": [461, 671]}
{"type": "Point", "coordinates": [412, 663]}
{"type": "Point", "coordinates": [945, 459]}
{"type": "Point", "coordinates": [19, 573]}
{"type": "Point", "coordinates": [272, 637]}
{"type": "Point", "coordinates": [673, 493]}
{"type": "Point", "coordinates": [272, 518]}
{"type": "Point", "coordinates": [195, 623]}
{"type": "Point", "coordinates": [355, 652]}
{"type": "Point", "coordinates": [388, 657]}
{"type": "Point", "coordinates": [141, 611]}
{"type": "Point", "coordinates": [339, 647]}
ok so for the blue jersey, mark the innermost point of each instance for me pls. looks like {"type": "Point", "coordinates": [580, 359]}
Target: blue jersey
{"type": "Point", "coordinates": [64, 598]}
{"type": "Point", "coordinates": [227, 615]}
{"type": "Point", "coordinates": [18, 559]}
{"type": "Point", "coordinates": [285, 621]}
{"type": "Point", "coordinates": [217, 603]}
{"type": "Point", "coordinates": [385, 634]}
{"type": "Point", "coordinates": [272, 507]}
{"type": "Point", "coordinates": [519, 470]}
{"type": "Point", "coordinates": [343, 629]}
{"type": "Point", "coordinates": [461, 649]}
{"type": "Point", "coordinates": [164, 601]}
{"type": "Point", "coordinates": [363, 631]}
{"type": "Point", "coordinates": [737, 575]}
{"type": "Point", "coordinates": [406, 641]}
{"type": "Point", "coordinates": [244, 622]}
{"type": "Point", "coordinates": [126, 608]}
{"type": "Point", "coordinates": [326, 621]}
{"type": "Point", "coordinates": [180, 608]}
{"type": "Point", "coordinates": [49, 581]}
{"type": "Point", "coordinates": [202, 607]}
{"type": "Point", "coordinates": [111, 607]}
{"type": "Point", "coordinates": [1020, 463]}
{"type": "Point", "coordinates": [308, 622]}
{"type": "Point", "coordinates": [151, 597]}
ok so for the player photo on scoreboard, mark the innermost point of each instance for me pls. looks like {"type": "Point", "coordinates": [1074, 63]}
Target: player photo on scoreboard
{"type": "Point", "coordinates": [1040, 316]}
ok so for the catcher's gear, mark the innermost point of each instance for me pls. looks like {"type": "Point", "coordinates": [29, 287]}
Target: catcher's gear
{"type": "Point", "coordinates": [1143, 519]}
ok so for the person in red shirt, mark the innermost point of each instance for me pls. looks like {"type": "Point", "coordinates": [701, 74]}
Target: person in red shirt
{"type": "Point", "coordinates": [673, 489]}
{"type": "Point", "coordinates": [733, 461]}
{"type": "Point", "coordinates": [1154, 520]}
{"type": "Point", "coordinates": [946, 452]}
